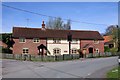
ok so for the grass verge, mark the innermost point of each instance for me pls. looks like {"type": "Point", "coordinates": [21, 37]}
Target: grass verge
{"type": "Point", "coordinates": [114, 73]}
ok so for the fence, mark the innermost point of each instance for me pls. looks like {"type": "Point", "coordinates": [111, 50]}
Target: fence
{"type": "Point", "coordinates": [52, 58]}
{"type": "Point", "coordinates": [41, 58]}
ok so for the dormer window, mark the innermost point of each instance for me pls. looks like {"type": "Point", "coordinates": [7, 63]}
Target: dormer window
{"type": "Point", "coordinates": [96, 41]}
{"type": "Point", "coordinates": [36, 40]}
{"type": "Point", "coordinates": [56, 40]}
{"type": "Point", "coordinates": [22, 40]}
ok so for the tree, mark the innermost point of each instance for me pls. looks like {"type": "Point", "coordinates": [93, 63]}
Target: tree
{"type": "Point", "coordinates": [50, 24]}
{"type": "Point", "coordinates": [113, 30]}
{"type": "Point", "coordinates": [68, 25]}
{"type": "Point", "coordinates": [58, 23]}
{"type": "Point", "coordinates": [7, 39]}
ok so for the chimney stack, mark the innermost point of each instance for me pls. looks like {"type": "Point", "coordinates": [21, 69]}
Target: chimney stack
{"type": "Point", "coordinates": [43, 25]}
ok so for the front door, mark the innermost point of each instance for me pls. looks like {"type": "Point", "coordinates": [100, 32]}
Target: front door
{"type": "Point", "coordinates": [91, 51]}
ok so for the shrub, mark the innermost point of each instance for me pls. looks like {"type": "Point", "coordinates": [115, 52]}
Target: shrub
{"type": "Point", "coordinates": [6, 50]}
{"type": "Point", "coordinates": [106, 49]}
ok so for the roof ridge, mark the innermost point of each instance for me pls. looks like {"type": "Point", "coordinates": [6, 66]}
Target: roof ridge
{"type": "Point", "coordinates": [51, 33]}
{"type": "Point", "coordinates": [55, 29]}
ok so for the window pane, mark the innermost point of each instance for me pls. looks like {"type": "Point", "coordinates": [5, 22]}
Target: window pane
{"type": "Point", "coordinates": [25, 50]}
{"type": "Point", "coordinates": [35, 39]}
{"type": "Point", "coordinates": [21, 39]}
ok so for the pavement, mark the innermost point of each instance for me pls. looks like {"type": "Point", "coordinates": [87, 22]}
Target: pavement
{"type": "Point", "coordinates": [82, 68]}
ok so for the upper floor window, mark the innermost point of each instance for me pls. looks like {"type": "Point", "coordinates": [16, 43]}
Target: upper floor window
{"type": "Point", "coordinates": [96, 41]}
{"type": "Point", "coordinates": [36, 40]}
{"type": "Point", "coordinates": [74, 41]}
{"type": "Point", "coordinates": [22, 39]}
{"type": "Point", "coordinates": [56, 40]}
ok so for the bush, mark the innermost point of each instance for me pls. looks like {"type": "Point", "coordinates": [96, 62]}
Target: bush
{"type": "Point", "coordinates": [106, 49]}
{"type": "Point", "coordinates": [113, 50]}
{"type": "Point", "coordinates": [6, 50]}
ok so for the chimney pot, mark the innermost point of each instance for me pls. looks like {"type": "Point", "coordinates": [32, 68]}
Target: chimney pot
{"type": "Point", "coordinates": [43, 25]}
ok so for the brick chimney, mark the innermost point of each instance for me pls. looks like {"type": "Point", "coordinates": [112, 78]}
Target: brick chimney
{"type": "Point", "coordinates": [43, 25]}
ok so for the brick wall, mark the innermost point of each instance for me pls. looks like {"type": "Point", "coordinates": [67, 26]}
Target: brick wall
{"type": "Point", "coordinates": [18, 47]}
{"type": "Point", "coordinates": [91, 43]}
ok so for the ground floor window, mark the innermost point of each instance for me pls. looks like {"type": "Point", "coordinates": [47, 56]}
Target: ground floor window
{"type": "Point", "coordinates": [56, 51]}
{"type": "Point", "coordinates": [97, 50]}
{"type": "Point", "coordinates": [74, 51]}
{"type": "Point", "coordinates": [111, 45]}
{"type": "Point", "coordinates": [25, 50]}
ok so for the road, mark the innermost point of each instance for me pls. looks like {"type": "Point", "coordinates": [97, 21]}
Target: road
{"type": "Point", "coordinates": [86, 68]}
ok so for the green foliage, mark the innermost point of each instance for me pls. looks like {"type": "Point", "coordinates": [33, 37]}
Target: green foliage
{"type": "Point", "coordinates": [4, 37]}
{"type": "Point", "coordinates": [113, 50]}
{"type": "Point", "coordinates": [6, 50]}
{"type": "Point", "coordinates": [106, 49]}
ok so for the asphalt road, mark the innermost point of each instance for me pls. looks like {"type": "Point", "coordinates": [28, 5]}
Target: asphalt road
{"type": "Point", "coordinates": [87, 68]}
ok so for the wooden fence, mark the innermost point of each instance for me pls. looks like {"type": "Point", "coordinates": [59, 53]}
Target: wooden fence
{"type": "Point", "coordinates": [52, 58]}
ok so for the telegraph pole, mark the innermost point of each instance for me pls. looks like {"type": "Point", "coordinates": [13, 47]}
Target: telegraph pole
{"type": "Point", "coordinates": [118, 31]}
{"type": "Point", "coordinates": [69, 37]}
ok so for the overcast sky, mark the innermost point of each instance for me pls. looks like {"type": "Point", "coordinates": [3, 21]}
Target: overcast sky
{"type": "Point", "coordinates": [88, 12]}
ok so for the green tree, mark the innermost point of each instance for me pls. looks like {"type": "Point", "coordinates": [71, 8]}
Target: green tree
{"type": "Point", "coordinates": [7, 39]}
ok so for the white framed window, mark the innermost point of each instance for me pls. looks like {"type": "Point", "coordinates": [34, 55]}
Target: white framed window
{"type": "Point", "coordinates": [36, 40]}
{"type": "Point", "coordinates": [56, 51]}
{"type": "Point", "coordinates": [96, 41]}
{"type": "Point", "coordinates": [22, 40]}
{"type": "Point", "coordinates": [74, 51]}
{"type": "Point", "coordinates": [56, 40]}
{"type": "Point", "coordinates": [97, 50]}
{"type": "Point", "coordinates": [75, 41]}
{"type": "Point", "coordinates": [25, 50]}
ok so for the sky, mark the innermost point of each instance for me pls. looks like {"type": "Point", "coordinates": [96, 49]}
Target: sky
{"type": "Point", "coordinates": [88, 12]}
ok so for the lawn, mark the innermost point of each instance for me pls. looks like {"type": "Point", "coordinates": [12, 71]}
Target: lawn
{"type": "Point", "coordinates": [114, 73]}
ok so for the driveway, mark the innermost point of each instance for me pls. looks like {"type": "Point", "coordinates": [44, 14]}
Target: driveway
{"type": "Point", "coordinates": [82, 68]}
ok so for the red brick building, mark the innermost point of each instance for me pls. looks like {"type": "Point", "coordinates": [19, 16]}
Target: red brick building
{"type": "Point", "coordinates": [27, 40]}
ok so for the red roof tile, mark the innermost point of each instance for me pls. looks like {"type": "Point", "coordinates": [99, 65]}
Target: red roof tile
{"type": "Point", "coordinates": [50, 33]}
{"type": "Point", "coordinates": [108, 38]}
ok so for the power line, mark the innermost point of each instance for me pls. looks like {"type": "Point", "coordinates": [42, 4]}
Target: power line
{"type": "Point", "coordinates": [52, 16]}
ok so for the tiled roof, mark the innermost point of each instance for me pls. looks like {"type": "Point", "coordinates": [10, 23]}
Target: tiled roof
{"type": "Point", "coordinates": [50, 33]}
{"type": "Point", "coordinates": [108, 38]}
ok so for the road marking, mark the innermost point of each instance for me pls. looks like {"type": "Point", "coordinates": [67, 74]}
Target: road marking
{"type": "Point", "coordinates": [89, 74]}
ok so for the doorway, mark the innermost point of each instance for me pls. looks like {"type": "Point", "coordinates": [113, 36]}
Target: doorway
{"type": "Point", "coordinates": [91, 51]}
